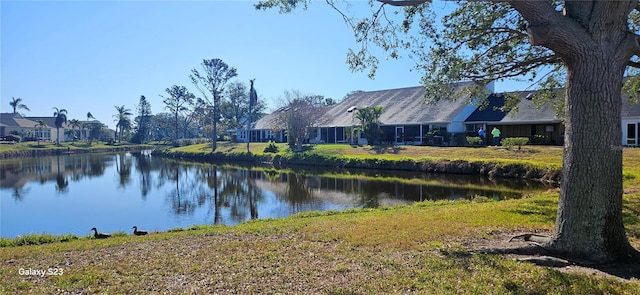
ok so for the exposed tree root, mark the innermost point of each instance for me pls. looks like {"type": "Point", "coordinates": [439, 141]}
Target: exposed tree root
{"type": "Point", "coordinates": [537, 253]}
{"type": "Point", "coordinates": [530, 250]}
{"type": "Point", "coordinates": [529, 237]}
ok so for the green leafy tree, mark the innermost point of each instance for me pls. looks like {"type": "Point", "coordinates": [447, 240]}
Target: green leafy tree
{"type": "Point", "coordinates": [235, 108]}
{"type": "Point", "coordinates": [202, 115]}
{"type": "Point", "coordinates": [177, 103]}
{"type": "Point", "coordinates": [60, 116]}
{"type": "Point", "coordinates": [211, 82]}
{"type": "Point", "coordinates": [16, 103]}
{"type": "Point", "coordinates": [585, 46]}
{"type": "Point", "coordinates": [369, 118]}
{"type": "Point", "coordinates": [96, 131]}
{"type": "Point", "coordinates": [143, 121]}
{"type": "Point", "coordinates": [236, 105]}
{"type": "Point", "coordinates": [163, 124]}
{"type": "Point", "coordinates": [122, 120]}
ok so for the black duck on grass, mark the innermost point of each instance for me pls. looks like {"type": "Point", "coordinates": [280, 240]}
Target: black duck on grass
{"type": "Point", "coordinates": [138, 232]}
{"type": "Point", "coordinates": [98, 235]}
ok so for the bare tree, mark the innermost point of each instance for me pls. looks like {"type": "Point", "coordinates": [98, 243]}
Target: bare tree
{"type": "Point", "coordinates": [215, 75]}
{"type": "Point", "coordinates": [297, 116]}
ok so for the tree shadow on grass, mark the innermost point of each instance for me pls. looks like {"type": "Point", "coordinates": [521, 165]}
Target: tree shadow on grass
{"type": "Point", "coordinates": [536, 254]}
{"type": "Point", "coordinates": [387, 149]}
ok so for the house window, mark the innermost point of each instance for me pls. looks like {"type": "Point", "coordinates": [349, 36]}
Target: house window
{"type": "Point", "coordinates": [441, 129]}
{"type": "Point", "coordinates": [471, 128]}
{"type": "Point", "coordinates": [43, 134]}
{"type": "Point", "coordinates": [632, 133]}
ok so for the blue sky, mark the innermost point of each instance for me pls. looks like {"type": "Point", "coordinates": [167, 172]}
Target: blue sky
{"type": "Point", "coordinates": [89, 56]}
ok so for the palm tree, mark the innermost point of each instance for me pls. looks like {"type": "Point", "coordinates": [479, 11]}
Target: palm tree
{"type": "Point", "coordinates": [369, 118]}
{"type": "Point", "coordinates": [16, 103]}
{"type": "Point", "coordinates": [122, 119]}
{"type": "Point", "coordinates": [75, 123]}
{"type": "Point", "coordinates": [41, 124]}
{"type": "Point", "coordinates": [89, 117]}
{"type": "Point", "coordinates": [61, 118]}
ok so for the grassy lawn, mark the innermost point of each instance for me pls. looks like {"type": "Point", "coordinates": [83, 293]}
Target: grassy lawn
{"type": "Point", "coordinates": [47, 145]}
{"type": "Point", "coordinates": [425, 248]}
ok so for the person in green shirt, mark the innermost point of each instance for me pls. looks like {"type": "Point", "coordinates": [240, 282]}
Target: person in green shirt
{"type": "Point", "coordinates": [496, 135]}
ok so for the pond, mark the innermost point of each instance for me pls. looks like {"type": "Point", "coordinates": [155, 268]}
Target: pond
{"type": "Point", "coordinates": [69, 194]}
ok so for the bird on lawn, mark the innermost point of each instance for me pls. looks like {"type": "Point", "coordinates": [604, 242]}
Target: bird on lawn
{"type": "Point", "coordinates": [98, 235]}
{"type": "Point", "coordinates": [138, 232]}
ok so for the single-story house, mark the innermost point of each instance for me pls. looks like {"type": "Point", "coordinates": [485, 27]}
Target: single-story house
{"type": "Point", "coordinates": [264, 129]}
{"type": "Point", "coordinates": [12, 123]}
{"type": "Point", "coordinates": [407, 119]}
{"type": "Point", "coordinates": [51, 124]}
{"type": "Point", "coordinates": [537, 122]}
{"type": "Point", "coordinates": [542, 125]}
{"type": "Point", "coordinates": [485, 115]}
{"type": "Point", "coordinates": [26, 128]}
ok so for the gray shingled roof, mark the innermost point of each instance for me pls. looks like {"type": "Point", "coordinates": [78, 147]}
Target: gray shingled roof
{"type": "Point", "coordinates": [271, 121]}
{"type": "Point", "coordinates": [529, 112]}
{"type": "Point", "coordinates": [51, 121]}
{"type": "Point", "coordinates": [267, 122]}
{"type": "Point", "coordinates": [399, 106]}
{"type": "Point", "coordinates": [15, 120]}
{"type": "Point", "coordinates": [628, 109]}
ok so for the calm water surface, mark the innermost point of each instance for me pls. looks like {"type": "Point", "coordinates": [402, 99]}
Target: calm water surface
{"type": "Point", "coordinates": [73, 193]}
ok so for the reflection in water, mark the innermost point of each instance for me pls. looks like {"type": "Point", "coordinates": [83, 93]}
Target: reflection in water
{"type": "Point", "coordinates": [115, 191]}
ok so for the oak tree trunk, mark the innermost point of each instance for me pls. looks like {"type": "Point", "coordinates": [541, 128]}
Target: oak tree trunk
{"type": "Point", "coordinates": [594, 43]}
{"type": "Point", "coordinates": [589, 219]}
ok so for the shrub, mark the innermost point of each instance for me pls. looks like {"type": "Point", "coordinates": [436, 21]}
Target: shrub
{"type": "Point", "coordinates": [201, 139]}
{"type": "Point", "coordinates": [271, 148]}
{"type": "Point", "coordinates": [474, 140]}
{"type": "Point", "coordinates": [540, 139]}
{"type": "Point", "coordinates": [12, 137]}
{"type": "Point", "coordinates": [509, 142]}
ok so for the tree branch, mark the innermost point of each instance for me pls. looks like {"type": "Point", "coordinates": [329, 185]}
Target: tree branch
{"type": "Point", "coordinates": [517, 68]}
{"type": "Point", "coordinates": [347, 19]}
{"type": "Point", "coordinates": [403, 3]}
